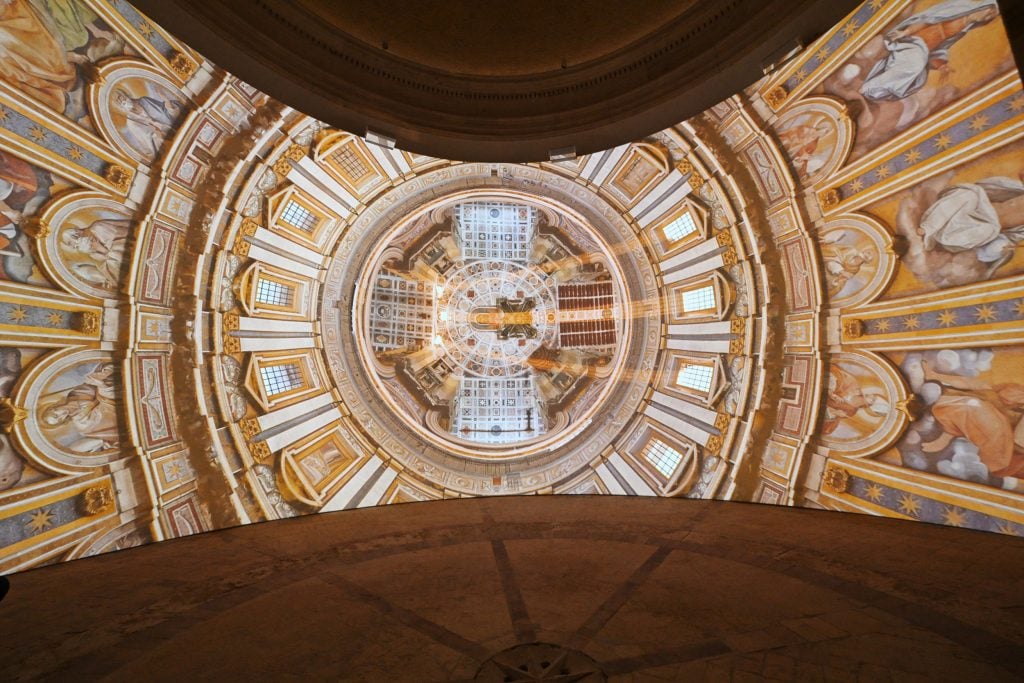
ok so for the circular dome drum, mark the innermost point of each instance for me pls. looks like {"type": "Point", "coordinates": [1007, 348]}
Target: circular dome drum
{"type": "Point", "coordinates": [491, 324]}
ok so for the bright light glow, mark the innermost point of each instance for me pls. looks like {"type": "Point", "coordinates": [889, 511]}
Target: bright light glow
{"type": "Point", "coordinates": [437, 340]}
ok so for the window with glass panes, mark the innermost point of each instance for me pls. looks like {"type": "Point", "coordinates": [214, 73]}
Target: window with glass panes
{"type": "Point", "coordinates": [298, 216]}
{"type": "Point", "coordinates": [695, 376]}
{"type": "Point", "coordinates": [663, 457]}
{"type": "Point", "coordinates": [278, 379]}
{"type": "Point", "coordinates": [681, 227]}
{"type": "Point", "coordinates": [699, 299]}
{"type": "Point", "coordinates": [274, 293]}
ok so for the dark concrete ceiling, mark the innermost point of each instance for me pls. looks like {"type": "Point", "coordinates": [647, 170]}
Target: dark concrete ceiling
{"type": "Point", "coordinates": [639, 588]}
{"type": "Point", "coordinates": [497, 81]}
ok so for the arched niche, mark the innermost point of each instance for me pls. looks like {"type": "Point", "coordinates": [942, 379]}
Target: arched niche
{"type": "Point", "coordinates": [865, 403]}
{"type": "Point", "coordinates": [136, 108]}
{"type": "Point", "coordinates": [857, 259]}
{"type": "Point", "coordinates": [84, 243]}
{"type": "Point", "coordinates": [816, 137]}
{"type": "Point", "coordinates": [74, 415]}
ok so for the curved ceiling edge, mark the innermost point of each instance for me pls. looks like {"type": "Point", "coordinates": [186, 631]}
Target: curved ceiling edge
{"type": "Point", "coordinates": [680, 70]}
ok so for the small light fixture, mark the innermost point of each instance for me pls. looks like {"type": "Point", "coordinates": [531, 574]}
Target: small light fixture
{"type": "Point", "coordinates": [781, 56]}
{"type": "Point", "coordinates": [562, 154]}
{"type": "Point", "coordinates": [379, 139]}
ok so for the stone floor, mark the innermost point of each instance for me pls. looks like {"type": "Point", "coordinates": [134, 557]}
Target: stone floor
{"type": "Point", "coordinates": [650, 589]}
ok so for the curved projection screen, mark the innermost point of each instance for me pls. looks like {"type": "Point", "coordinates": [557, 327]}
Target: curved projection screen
{"type": "Point", "coordinates": [215, 310]}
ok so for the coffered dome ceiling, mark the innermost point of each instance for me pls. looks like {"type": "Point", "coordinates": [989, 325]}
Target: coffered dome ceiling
{"type": "Point", "coordinates": [218, 309]}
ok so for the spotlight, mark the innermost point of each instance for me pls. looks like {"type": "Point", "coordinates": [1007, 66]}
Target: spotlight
{"type": "Point", "coordinates": [379, 139]}
{"type": "Point", "coordinates": [562, 154]}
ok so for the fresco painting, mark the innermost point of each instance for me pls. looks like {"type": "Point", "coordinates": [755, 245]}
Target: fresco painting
{"type": "Point", "coordinates": [143, 113]}
{"type": "Point", "coordinates": [92, 243]}
{"type": "Point", "coordinates": [934, 53]}
{"type": "Point", "coordinates": [79, 410]}
{"type": "Point", "coordinates": [961, 226]}
{"type": "Point", "coordinates": [971, 426]}
{"type": "Point", "coordinates": [44, 45]}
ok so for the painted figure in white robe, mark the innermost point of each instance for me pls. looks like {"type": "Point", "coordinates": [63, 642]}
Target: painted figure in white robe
{"type": "Point", "coordinates": [148, 120]}
{"type": "Point", "coordinates": [89, 410]}
{"type": "Point", "coordinates": [104, 242]}
{"type": "Point", "coordinates": [920, 44]}
{"type": "Point", "coordinates": [986, 217]}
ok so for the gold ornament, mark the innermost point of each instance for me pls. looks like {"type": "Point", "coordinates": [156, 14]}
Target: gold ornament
{"type": "Point", "coordinates": [830, 199]}
{"type": "Point", "coordinates": [721, 421]}
{"type": "Point", "coordinates": [120, 177]}
{"type": "Point", "coordinates": [97, 500]}
{"type": "Point", "coordinates": [232, 344]}
{"type": "Point", "coordinates": [260, 450]}
{"type": "Point", "coordinates": [853, 328]}
{"type": "Point", "coordinates": [724, 238]}
{"type": "Point", "coordinates": [836, 480]}
{"type": "Point", "coordinates": [10, 414]}
{"type": "Point", "coordinates": [250, 427]}
{"type": "Point", "coordinates": [183, 67]}
{"type": "Point", "coordinates": [713, 445]}
{"type": "Point", "coordinates": [89, 322]}
{"type": "Point", "coordinates": [776, 96]}
{"type": "Point", "coordinates": [231, 321]}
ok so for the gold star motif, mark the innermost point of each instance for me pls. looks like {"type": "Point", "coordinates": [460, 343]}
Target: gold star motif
{"type": "Point", "coordinates": [947, 318]}
{"type": "Point", "coordinates": [39, 520]}
{"type": "Point", "coordinates": [1018, 308]}
{"type": "Point", "coordinates": [909, 505]}
{"type": "Point", "coordinates": [875, 4]}
{"type": "Point", "coordinates": [953, 517]}
{"type": "Point", "coordinates": [912, 156]}
{"type": "Point", "coordinates": [54, 318]}
{"type": "Point", "coordinates": [943, 141]}
{"type": "Point", "coordinates": [979, 122]}
{"type": "Point", "coordinates": [882, 325]}
{"type": "Point", "coordinates": [857, 185]}
{"type": "Point", "coordinates": [883, 172]}
{"type": "Point", "coordinates": [985, 313]}
{"type": "Point", "coordinates": [3, 114]}
{"type": "Point", "coordinates": [911, 322]}
{"type": "Point", "coordinates": [37, 133]}
{"type": "Point", "coordinates": [800, 75]}
{"type": "Point", "coordinates": [75, 153]}
{"type": "Point", "coordinates": [17, 314]}
{"type": "Point", "coordinates": [145, 29]}
{"type": "Point", "coordinates": [823, 53]}
{"type": "Point", "coordinates": [850, 28]}
{"type": "Point", "coordinates": [1016, 105]}
{"type": "Point", "coordinates": [874, 492]}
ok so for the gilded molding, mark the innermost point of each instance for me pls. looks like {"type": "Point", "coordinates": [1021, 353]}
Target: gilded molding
{"type": "Point", "coordinates": [853, 328]}
{"type": "Point", "coordinates": [250, 427]}
{"type": "Point", "coordinates": [722, 421]}
{"type": "Point", "coordinates": [714, 444]}
{"type": "Point", "coordinates": [260, 450]}
{"type": "Point", "coordinates": [231, 321]}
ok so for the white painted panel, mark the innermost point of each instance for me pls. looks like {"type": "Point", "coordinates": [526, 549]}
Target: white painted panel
{"type": "Point", "coordinates": [657, 192]}
{"type": "Point", "coordinates": [268, 325]}
{"type": "Point", "coordinates": [630, 475]}
{"type": "Point", "coordinates": [609, 480]}
{"type": "Point", "coordinates": [340, 200]}
{"type": "Point", "coordinates": [305, 428]}
{"type": "Point", "coordinates": [695, 269]}
{"type": "Point", "coordinates": [275, 343]}
{"type": "Point", "coordinates": [696, 435]}
{"type": "Point", "coordinates": [295, 410]}
{"type": "Point", "coordinates": [278, 240]}
{"type": "Point", "coordinates": [342, 498]}
{"type": "Point", "coordinates": [381, 155]}
{"type": "Point", "coordinates": [378, 489]}
{"type": "Point", "coordinates": [686, 407]}
{"type": "Point", "coordinates": [273, 258]}
{"type": "Point", "coordinates": [609, 165]}
{"type": "Point", "coordinates": [667, 203]}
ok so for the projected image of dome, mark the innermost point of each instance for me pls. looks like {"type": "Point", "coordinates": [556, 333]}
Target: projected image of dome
{"type": "Point", "coordinates": [490, 316]}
